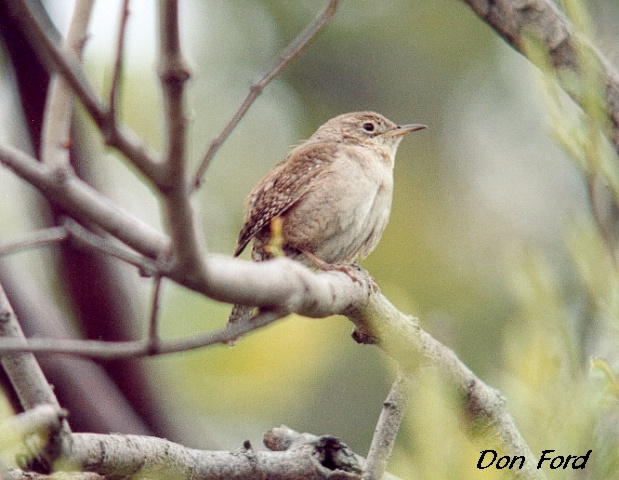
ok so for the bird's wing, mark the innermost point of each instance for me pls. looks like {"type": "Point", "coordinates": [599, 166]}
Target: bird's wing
{"type": "Point", "coordinates": [284, 186]}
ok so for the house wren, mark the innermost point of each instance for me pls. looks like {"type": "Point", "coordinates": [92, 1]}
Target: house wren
{"type": "Point", "coordinates": [328, 202]}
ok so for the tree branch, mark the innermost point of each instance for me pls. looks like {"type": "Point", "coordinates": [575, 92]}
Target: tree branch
{"type": "Point", "coordinates": [378, 322]}
{"type": "Point", "coordinates": [106, 246]}
{"type": "Point", "coordinates": [118, 61]}
{"type": "Point", "coordinates": [41, 34]}
{"type": "Point", "coordinates": [104, 350]}
{"type": "Point", "coordinates": [85, 203]}
{"type": "Point", "coordinates": [291, 52]}
{"type": "Point", "coordinates": [180, 216]}
{"type": "Point", "coordinates": [76, 379]}
{"type": "Point", "coordinates": [59, 108]}
{"type": "Point", "coordinates": [22, 369]}
{"type": "Point", "coordinates": [387, 429]}
{"type": "Point", "coordinates": [28, 380]}
{"type": "Point", "coordinates": [84, 238]}
{"type": "Point", "coordinates": [39, 31]}
{"type": "Point", "coordinates": [292, 456]}
{"type": "Point", "coordinates": [39, 238]}
{"type": "Point", "coordinates": [541, 20]}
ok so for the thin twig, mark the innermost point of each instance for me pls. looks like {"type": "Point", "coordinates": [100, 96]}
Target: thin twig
{"type": "Point", "coordinates": [59, 107]}
{"type": "Point", "coordinates": [92, 241]}
{"type": "Point", "coordinates": [118, 61]}
{"type": "Point", "coordinates": [152, 335]}
{"type": "Point", "coordinates": [387, 428]}
{"type": "Point", "coordinates": [46, 236]}
{"type": "Point", "coordinates": [153, 323]}
{"type": "Point", "coordinates": [291, 52]}
{"type": "Point", "coordinates": [105, 350]}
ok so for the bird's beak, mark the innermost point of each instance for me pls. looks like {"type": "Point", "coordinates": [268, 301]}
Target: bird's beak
{"type": "Point", "coordinates": [408, 128]}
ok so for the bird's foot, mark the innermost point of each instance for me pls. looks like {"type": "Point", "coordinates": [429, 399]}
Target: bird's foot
{"type": "Point", "coordinates": [354, 271]}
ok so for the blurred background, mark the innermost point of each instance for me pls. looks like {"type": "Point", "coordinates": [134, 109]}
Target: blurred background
{"type": "Point", "coordinates": [490, 244]}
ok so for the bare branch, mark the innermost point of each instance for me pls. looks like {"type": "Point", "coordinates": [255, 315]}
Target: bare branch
{"type": "Point", "coordinates": [296, 456]}
{"type": "Point", "coordinates": [152, 334]}
{"type": "Point", "coordinates": [80, 377]}
{"type": "Point", "coordinates": [292, 51]}
{"type": "Point", "coordinates": [59, 108]}
{"type": "Point", "coordinates": [88, 239]}
{"type": "Point", "coordinates": [387, 428]}
{"type": "Point", "coordinates": [46, 236]}
{"type": "Point", "coordinates": [28, 379]}
{"type": "Point", "coordinates": [378, 322]}
{"type": "Point", "coordinates": [87, 348]}
{"type": "Point", "coordinates": [22, 369]}
{"type": "Point", "coordinates": [519, 21]}
{"type": "Point", "coordinates": [118, 60]}
{"type": "Point", "coordinates": [291, 456]}
{"type": "Point", "coordinates": [44, 39]}
{"type": "Point", "coordinates": [180, 216]}
{"type": "Point", "coordinates": [173, 73]}
{"type": "Point", "coordinates": [139, 348]}
{"type": "Point", "coordinates": [85, 203]}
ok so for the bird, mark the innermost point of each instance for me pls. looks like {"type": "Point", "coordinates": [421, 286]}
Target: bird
{"type": "Point", "coordinates": [328, 202]}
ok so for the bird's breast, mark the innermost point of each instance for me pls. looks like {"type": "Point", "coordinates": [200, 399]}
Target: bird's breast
{"type": "Point", "coordinates": [342, 217]}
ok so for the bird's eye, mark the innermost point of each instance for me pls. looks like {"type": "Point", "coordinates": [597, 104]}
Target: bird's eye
{"type": "Point", "coordinates": [369, 127]}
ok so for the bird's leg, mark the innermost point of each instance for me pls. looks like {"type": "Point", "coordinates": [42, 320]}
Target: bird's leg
{"type": "Point", "coordinates": [349, 270]}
